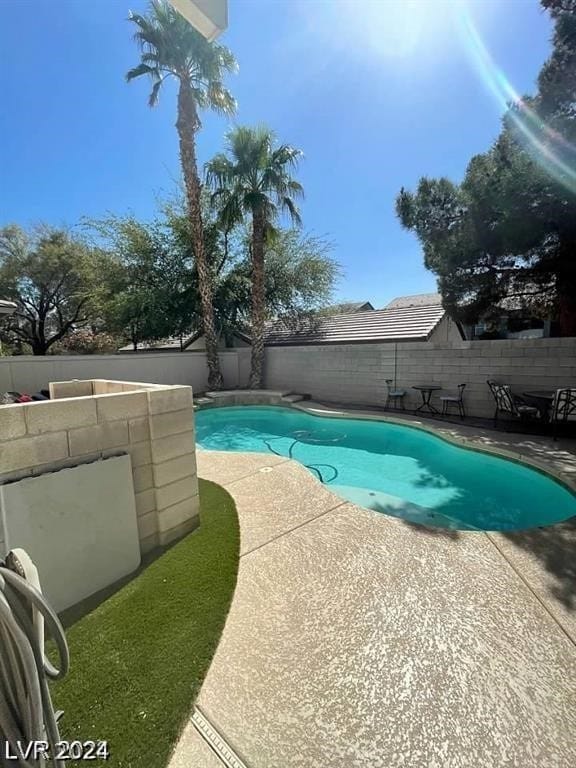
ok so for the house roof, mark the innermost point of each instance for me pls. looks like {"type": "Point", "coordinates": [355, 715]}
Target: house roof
{"type": "Point", "coordinates": [349, 306]}
{"type": "Point", "coordinates": [173, 344]}
{"type": "Point", "coordinates": [162, 345]}
{"type": "Point", "coordinates": [406, 318]}
{"type": "Point", "coordinates": [405, 323]}
{"type": "Point", "coordinates": [417, 300]}
{"type": "Point", "coordinates": [7, 307]}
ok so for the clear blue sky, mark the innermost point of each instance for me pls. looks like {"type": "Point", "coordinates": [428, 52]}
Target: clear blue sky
{"type": "Point", "coordinates": [376, 94]}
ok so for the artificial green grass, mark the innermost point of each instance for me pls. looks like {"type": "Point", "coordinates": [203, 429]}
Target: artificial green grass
{"type": "Point", "coordinates": [139, 659]}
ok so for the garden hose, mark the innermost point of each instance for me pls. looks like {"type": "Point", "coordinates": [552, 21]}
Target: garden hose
{"type": "Point", "coordinates": [27, 717]}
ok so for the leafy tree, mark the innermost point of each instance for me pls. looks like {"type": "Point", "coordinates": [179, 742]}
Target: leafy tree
{"type": "Point", "coordinates": [172, 48]}
{"type": "Point", "coordinates": [299, 279]}
{"type": "Point", "coordinates": [88, 342]}
{"type": "Point", "coordinates": [508, 231]}
{"type": "Point", "coordinates": [254, 179]}
{"type": "Point", "coordinates": [557, 78]}
{"type": "Point", "coordinates": [152, 286]}
{"type": "Point", "coordinates": [54, 281]}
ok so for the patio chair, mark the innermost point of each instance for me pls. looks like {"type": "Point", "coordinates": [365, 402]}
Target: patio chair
{"type": "Point", "coordinates": [563, 408]}
{"type": "Point", "coordinates": [507, 402]}
{"type": "Point", "coordinates": [394, 395]}
{"type": "Point", "coordinates": [454, 400]}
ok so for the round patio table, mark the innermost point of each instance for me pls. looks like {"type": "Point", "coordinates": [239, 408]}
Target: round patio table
{"type": "Point", "coordinates": [544, 399]}
{"type": "Point", "coordinates": [426, 393]}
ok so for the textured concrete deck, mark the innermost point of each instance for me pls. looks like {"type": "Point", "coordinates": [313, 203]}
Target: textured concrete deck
{"type": "Point", "coordinates": [355, 639]}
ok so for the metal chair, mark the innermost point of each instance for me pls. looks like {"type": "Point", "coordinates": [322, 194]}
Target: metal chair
{"type": "Point", "coordinates": [449, 400]}
{"type": "Point", "coordinates": [507, 402]}
{"type": "Point", "coordinates": [395, 396]}
{"type": "Point", "coordinates": [563, 408]}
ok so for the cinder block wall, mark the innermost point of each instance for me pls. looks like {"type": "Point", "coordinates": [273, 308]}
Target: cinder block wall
{"type": "Point", "coordinates": [87, 420]}
{"type": "Point", "coordinates": [356, 373]}
{"type": "Point", "coordinates": [30, 374]}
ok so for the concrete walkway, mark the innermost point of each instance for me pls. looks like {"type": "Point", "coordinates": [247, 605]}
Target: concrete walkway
{"type": "Point", "coordinates": [356, 640]}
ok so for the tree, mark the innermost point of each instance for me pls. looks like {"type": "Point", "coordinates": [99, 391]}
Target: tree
{"type": "Point", "coordinates": [508, 231]}
{"type": "Point", "coordinates": [54, 281]}
{"type": "Point", "coordinates": [299, 279]}
{"type": "Point", "coordinates": [152, 285]}
{"type": "Point", "coordinates": [254, 180]}
{"type": "Point", "coordinates": [88, 342]}
{"type": "Point", "coordinates": [172, 48]}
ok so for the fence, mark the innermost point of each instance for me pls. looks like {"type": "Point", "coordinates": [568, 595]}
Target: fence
{"type": "Point", "coordinates": [353, 373]}
{"type": "Point", "coordinates": [357, 373]}
{"type": "Point", "coordinates": [30, 374]}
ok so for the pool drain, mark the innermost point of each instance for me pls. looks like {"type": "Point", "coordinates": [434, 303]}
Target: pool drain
{"type": "Point", "coordinates": [215, 741]}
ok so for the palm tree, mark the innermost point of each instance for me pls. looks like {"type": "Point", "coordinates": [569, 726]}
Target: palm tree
{"type": "Point", "coordinates": [172, 48]}
{"type": "Point", "coordinates": [254, 179]}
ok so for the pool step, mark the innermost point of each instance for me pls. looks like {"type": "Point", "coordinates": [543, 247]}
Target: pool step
{"type": "Point", "coordinates": [202, 401]}
{"type": "Point", "coordinates": [249, 397]}
{"type": "Point", "coordinates": [293, 398]}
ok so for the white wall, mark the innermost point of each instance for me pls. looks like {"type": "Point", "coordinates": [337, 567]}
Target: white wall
{"type": "Point", "coordinates": [30, 374]}
{"type": "Point", "coordinates": [446, 331]}
{"type": "Point", "coordinates": [200, 344]}
{"type": "Point", "coordinates": [244, 362]}
{"type": "Point", "coordinates": [77, 524]}
{"type": "Point", "coordinates": [356, 373]}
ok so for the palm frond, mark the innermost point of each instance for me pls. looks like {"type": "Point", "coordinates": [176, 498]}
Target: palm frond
{"type": "Point", "coordinates": [219, 172]}
{"type": "Point", "coordinates": [254, 175]}
{"type": "Point", "coordinates": [141, 69]}
{"type": "Point", "coordinates": [287, 204]}
{"type": "Point", "coordinates": [220, 99]}
{"type": "Point", "coordinates": [169, 45]}
{"type": "Point", "coordinates": [295, 188]}
{"type": "Point", "coordinates": [270, 233]}
{"type": "Point", "coordinates": [287, 156]}
{"type": "Point", "coordinates": [153, 98]}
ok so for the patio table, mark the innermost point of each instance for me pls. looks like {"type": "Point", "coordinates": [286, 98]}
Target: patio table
{"type": "Point", "coordinates": [426, 393]}
{"type": "Point", "coordinates": [544, 398]}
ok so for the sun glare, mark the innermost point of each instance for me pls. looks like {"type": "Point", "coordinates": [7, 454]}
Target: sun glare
{"type": "Point", "coordinates": [388, 29]}
{"type": "Point", "coordinates": [547, 148]}
{"type": "Point", "coordinates": [413, 38]}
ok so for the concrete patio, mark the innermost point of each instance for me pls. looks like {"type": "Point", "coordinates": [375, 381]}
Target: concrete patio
{"type": "Point", "coordinates": [356, 639]}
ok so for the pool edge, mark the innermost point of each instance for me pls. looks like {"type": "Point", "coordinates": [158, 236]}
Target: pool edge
{"type": "Point", "coordinates": [314, 408]}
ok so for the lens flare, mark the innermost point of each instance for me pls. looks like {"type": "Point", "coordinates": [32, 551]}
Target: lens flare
{"type": "Point", "coordinates": [548, 148]}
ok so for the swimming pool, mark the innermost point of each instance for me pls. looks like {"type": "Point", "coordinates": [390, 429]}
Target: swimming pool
{"type": "Point", "coordinates": [395, 469]}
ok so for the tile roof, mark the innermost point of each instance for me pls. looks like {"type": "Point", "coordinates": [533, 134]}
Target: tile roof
{"type": "Point", "coordinates": [410, 323]}
{"type": "Point", "coordinates": [346, 307]}
{"type": "Point", "coordinates": [417, 300]}
{"type": "Point", "coordinates": [173, 344]}
{"type": "Point", "coordinates": [163, 345]}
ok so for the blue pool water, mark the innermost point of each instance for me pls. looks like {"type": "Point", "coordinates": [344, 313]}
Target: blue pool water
{"type": "Point", "coordinates": [395, 469]}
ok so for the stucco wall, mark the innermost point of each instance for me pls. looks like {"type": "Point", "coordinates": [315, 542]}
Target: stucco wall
{"type": "Point", "coordinates": [446, 332]}
{"type": "Point", "coordinates": [30, 374]}
{"type": "Point", "coordinates": [357, 373]}
{"type": "Point", "coordinates": [200, 344]}
{"type": "Point", "coordinates": [244, 361]}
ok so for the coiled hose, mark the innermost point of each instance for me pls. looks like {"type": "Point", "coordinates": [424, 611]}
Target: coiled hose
{"type": "Point", "coordinates": [26, 711]}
